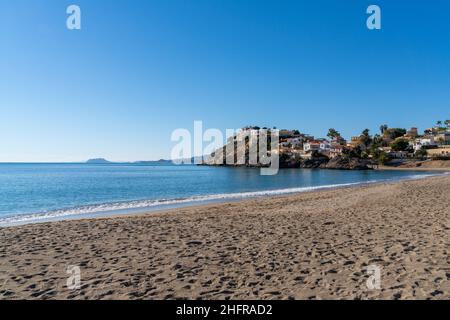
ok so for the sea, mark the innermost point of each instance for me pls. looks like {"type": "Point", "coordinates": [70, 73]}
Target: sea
{"type": "Point", "coordinates": [39, 192]}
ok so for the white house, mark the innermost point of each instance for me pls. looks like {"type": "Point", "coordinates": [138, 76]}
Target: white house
{"type": "Point", "coordinates": [317, 145]}
{"type": "Point", "coordinates": [325, 146]}
{"type": "Point", "coordinates": [398, 154]}
{"type": "Point", "coordinates": [336, 150]}
{"type": "Point", "coordinates": [296, 142]}
{"type": "Point", "coordinates": [423, 142]}
{"type": "Point", "coordinates": [311, 146]}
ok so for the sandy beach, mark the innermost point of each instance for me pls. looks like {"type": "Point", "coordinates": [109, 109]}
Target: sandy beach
{"type": "Point", "coordinates": [313, 245]}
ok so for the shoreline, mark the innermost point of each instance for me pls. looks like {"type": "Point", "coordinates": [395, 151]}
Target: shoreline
{"type": "Point", "coordinates": [413, 169]}
{"type": "Point", "coordinates": [312, 245]}
{"type": "Point", "coordinates": [227, 198]}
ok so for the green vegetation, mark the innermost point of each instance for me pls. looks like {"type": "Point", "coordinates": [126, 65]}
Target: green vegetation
{"type": "Point", "coordinates": [383, 128]}
{"type": "Point", "coordinates": [332, 133]}
{"type": "Point", "coordinates": [400, 145]}
{"type": "Point", "coordinates": [394, 133]}
{"type": "Point", "coordinates": [383, 158]}
{"type": "Point", "coordinates": [379, 148]}
{"type": "Point", "coordinates": [365, 138]}
{"type": "Point", "coordinates": [422, 153]}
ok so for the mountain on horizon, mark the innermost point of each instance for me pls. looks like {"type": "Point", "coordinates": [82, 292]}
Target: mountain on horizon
{"type": "Point", "coordinates": [160, 161]}
{"type": "Point", "coordinates": [98, 161]}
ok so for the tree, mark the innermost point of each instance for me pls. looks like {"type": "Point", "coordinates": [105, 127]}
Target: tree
{"type": "Point", "coordinates": [421, 153]}
{"type": "Point", "coordinates": [356, 152]}
{"type": "Point", "coordinates": [365, 138]}
{"type": "Point", "coordinates": [400, 145]}
{"type": "Point", "coordinates": [377, 140]}
{"type": "Point", "coordinates": [394, 133]}
{"type": "Point", "coordinates": [383, 158]}
{"type": "Point", "coordinates": [383, 128]}
{"type": "Point", "coordinates": [439, 123]}
{"type": "Point", "coordinates": [332, 133]}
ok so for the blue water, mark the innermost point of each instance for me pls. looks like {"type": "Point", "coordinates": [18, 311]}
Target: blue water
{"type": "Point", "coordinates": [38, 192]}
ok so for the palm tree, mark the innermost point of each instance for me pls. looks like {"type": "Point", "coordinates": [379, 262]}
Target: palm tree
{"type": "Point", "coordinates": [365, 138]}
{"type": "Point", "coordinates": [383, 128]}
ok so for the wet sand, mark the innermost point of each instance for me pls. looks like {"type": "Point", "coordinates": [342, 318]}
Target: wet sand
{"type": "Point", "coordinates": [314, 245]}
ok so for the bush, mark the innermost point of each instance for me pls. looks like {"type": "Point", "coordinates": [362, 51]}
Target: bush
{"type": "Point", "coordinates": [422, 153]}
{"type": "Point", "coordinates": [383, 158]}
{"type": "Point", "coordinates": [394, 133]}
{"type": "Point", "coordinates": [400, 145]}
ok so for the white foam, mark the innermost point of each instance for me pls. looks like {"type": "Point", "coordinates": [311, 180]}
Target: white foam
{"type": "Point", "coordinates": [142, 204]}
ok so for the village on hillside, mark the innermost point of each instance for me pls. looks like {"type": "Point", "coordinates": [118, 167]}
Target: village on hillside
{"type": "Point", "coordinates": [297, 149]}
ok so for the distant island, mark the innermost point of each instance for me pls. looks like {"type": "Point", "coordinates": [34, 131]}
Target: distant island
{"type": "Point", "coordinates": [160, 161]}
{"type": "Point", "coordinates": [98, 161]}
{"type": "Point", "coordinates": [149, 162]}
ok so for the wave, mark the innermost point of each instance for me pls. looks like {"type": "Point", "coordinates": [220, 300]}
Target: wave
{"type": "Point", "coordinates": [149, 204]}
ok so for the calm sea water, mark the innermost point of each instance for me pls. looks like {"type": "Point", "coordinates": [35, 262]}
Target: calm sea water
{"type": "Point", "coordinates": [40, 192]}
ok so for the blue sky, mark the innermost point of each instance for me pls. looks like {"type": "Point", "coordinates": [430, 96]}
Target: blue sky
{"type": "Point", "coordinates": [137, 70]}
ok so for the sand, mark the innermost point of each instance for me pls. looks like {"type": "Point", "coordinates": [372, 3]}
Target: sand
{"type": "Point", "coordinates": [427, 165]}
{"type": "Point", "coordinates": [307, 246]}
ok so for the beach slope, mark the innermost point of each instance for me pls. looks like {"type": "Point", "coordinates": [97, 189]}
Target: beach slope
{"type": "Point", "coordinates": [314, 245]}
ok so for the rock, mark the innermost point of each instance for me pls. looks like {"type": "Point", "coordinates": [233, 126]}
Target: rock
{"type": "Point", "coordinates": [345, 163]}
{"type": "Point", "coordinates": [313, 163]}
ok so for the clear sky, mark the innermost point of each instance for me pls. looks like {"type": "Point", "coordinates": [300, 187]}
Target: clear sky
{"type": "Point", "coordinates": [137, 70]}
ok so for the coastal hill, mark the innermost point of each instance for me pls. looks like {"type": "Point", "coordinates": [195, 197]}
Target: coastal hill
{"type": "Point", "coordinates": [389, 147]}
{"type": "Point", "coordinates": [98, 161]}
{"type": "Point", "coordinates": [291, 152]}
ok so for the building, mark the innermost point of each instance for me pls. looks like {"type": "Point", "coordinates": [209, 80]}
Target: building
{"type": "Point", "coordinates": [426, 142]}
{"type": "Point", "coordinates": [336, 150]}
{"type": "Point", "coordinates": [443, 151]}
{"type": "Point", "coordinates": [311, 146]}
{"type": "Point", "coordinates": [324, 146]}
{"type": "Point", "coordinates": [296, 142]}
{"type": "Point", "coordinates": [442, 138]}
{"type": "Point", "coordinates": [355, 141]}
{"type": "Point", "coordinates": [398, 154]}
{"type": "Point", "coordinates": [339, 140]}
{"type": "Point", "coordinates": [412, 133]}
{"type": "Point", "coordinates": [243, 134]}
